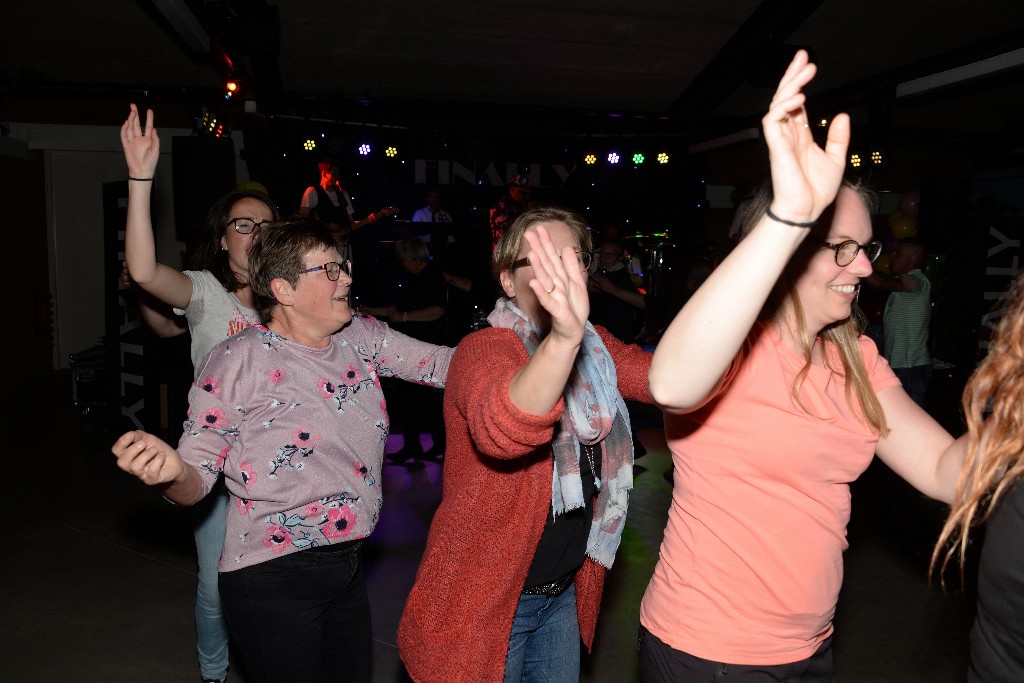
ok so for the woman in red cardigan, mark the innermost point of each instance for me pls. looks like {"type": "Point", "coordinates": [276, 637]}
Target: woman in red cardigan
{"type": "Point", "coordinates": [537, 473]}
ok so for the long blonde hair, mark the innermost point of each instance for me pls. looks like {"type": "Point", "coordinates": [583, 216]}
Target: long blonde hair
{"type": "Point", "coordinates": [843, 335]}
{"type": "Point", "coordinates": [995, 448]}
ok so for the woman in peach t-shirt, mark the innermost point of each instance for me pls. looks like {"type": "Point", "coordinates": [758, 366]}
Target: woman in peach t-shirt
{"type": "Point", "coordinates": [774, 403]}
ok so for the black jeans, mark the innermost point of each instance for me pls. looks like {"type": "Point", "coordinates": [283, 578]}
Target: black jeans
{"type": "Point", "coordinates": [301, 617]}
{"type": "Point", "coordinates": [660, 663]}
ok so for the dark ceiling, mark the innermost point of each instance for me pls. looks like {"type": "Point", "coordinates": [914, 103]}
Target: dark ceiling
{"type": "Point", "coordinates": [695, 68]}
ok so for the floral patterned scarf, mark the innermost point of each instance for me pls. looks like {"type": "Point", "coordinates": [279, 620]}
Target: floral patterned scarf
{"type": "Point", "coordinates": [594, 413]}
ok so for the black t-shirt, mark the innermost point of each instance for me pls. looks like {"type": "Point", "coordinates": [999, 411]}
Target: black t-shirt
{"type": "Point", "coordinates": [426, 289]}
{"type": "Point", "coordinates": [612, 312]}
{"type": "Point", "coordinates": [563, 544]}
{"type": "Point", "coordinates": [997, 638]}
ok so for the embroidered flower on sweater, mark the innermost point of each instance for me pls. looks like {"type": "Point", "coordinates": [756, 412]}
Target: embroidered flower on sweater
{"type": "Point", "coordinates": [277, 537]}
{"type": "Point", "coordinates": [340, 522]}
{"type": "Point", "coordinates": [210, 385]}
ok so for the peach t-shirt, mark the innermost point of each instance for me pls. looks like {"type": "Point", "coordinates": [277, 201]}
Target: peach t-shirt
{"type": "Point", "coordinates": [751, 563]}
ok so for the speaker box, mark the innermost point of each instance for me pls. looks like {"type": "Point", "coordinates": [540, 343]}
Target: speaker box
{"type": "Point", "coordinates": [204, 171]}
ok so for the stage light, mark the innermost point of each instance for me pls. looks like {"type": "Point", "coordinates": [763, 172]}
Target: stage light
{"type": "Point", "coordinates": [662, 158]}
{"type": "Point", "coordinates": [364, 149]}
{"type": "Point", "coordinates": [590, 159]}
{"type": "Point", "coordinates": [391, 152]}
{"type": "Point", "coordinates": [823, 123]}
{"type": "Point", "coordinates": [855, 160]}
{"type": "Point", "coordinates": [613, 158]}
{"type": "Point", "coordinates": [877, 157]}
{"type": "Point", "coordinates": [638, 158]}
{"type": "Point", "coordinates": [309, 145]}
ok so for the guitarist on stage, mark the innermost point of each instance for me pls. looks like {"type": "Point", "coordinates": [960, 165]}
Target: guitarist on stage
{"type": "Point", "coordinates": [332, 204]}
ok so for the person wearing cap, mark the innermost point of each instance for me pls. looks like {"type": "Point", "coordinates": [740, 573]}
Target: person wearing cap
{"type": "Point", "coordinates": [510, 206]}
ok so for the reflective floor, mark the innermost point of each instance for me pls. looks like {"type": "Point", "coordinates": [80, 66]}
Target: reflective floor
{"type": "Point", "coordinates": [99, 575]}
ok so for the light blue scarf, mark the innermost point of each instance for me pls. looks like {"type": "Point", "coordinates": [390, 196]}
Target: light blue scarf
{"type": "Point", "coordinates": [594, 413]}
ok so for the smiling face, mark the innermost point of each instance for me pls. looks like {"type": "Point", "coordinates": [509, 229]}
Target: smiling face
{"type": "Point", "coordinates": [316, 307]}
{"type": "Point", "coordinates": [827, 291]}
{"type": "Point", "coordinates": [238, 245]}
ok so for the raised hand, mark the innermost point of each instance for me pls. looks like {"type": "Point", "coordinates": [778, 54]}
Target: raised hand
{"type": "Point", "coordinates": [559, 284]}
{"type": "Point", "coordinates": [141, 144]}
{"type": "Point", "coordinates": [805, 177]}
{"type": "Point", "coordinates": [148, 458]}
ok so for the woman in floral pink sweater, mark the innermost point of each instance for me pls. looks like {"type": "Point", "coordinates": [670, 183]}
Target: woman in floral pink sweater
{"type": "Point", "coordinates": [292, 413]}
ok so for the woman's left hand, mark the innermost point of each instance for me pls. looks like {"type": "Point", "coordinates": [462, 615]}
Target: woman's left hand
{"type": "Point", "coordinates": [559, 285]}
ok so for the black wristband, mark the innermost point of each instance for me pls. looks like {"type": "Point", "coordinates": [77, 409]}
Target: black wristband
{"type": "Point", "coordinates": [795, 224]}
{"type": "Point", "coordinates": [141, 180]}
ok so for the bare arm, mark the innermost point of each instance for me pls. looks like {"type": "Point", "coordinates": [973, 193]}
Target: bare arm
{"type": "Point", "coordinates": [917, 448]}
{"type": "Point", "coordinates": [891, 284]}
{"type": "Point", "coordinates": [600, 283]}
{"type": "Point", "coordinates": [142, 152]}
{"type": "Point", "coordinates": [539, 385]}
{"type": "Point", "coordinates": [702, 341]}
{"type": "Point", "coordinates": [155, 463]}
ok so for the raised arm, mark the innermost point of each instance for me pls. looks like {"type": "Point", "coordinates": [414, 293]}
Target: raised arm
{"type": "Point", "coordinates": [142, 153]}
{"type": "Point", "coordinates": [702, 341]}
{"type": "Point", "coordinates": [562, 291]}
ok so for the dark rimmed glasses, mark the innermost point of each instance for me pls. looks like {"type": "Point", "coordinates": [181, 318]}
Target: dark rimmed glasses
{"type": "Point", "coordinates": [585, 258]}
{"type": "Point", "coordinates": [333, 269]}
{"type": "Point", "coordinates": [847, 250]}
{"type": "Point", "coordinates": [245, 226]}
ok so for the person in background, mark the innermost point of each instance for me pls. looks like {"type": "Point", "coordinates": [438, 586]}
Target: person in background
{"type": "Point", "coordinates": [989, 493]}
{"type": "Point", "coordinates": [291, 412]}
{"type": "Point", "coordinates": [774, 403]}
{"type": "Point", "coordinates": [420, 313]}
{"type": "Point", "coordinates": [217, 301]}
{"type": "Point", "coordinates": [537, 474]}
{"type": "Point", "coordinates": [615, 302]}
{"type": "Point", "coordinates": [331, 203]}
{"type": "Point", "coordinates": [511, 205]}
{"type": "Point", "coordinates": [432, 212]}
{"type": "Point", "coordinates": [907, 316]}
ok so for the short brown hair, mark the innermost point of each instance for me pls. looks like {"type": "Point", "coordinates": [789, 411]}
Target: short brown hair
{"type": "Point", "coordinates": [280, 252]}
{"type": "Point", "coordinates": [507, 250]}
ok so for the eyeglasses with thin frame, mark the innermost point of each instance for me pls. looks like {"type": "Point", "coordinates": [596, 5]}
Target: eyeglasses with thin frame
{"type": "Point", "coordinates": [847, 250]}
{"type": "Point", "coordinates": [585, 259]}
{"type": "Point", "coordinates": [245, 226]}
{"type": "Point", "coordinates": [333, 269]}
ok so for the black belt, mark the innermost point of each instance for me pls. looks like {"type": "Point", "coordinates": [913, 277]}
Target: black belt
{"type": "Point", "coordinates": [553, 589]}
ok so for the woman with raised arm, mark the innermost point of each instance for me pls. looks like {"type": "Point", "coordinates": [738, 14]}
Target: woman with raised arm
{"type": "Point", "coordinates": [989, 493]}
{"type": "Point", "coordinates": [536, 477]}
{"type": "Point", "coordinates": [774, 402]}
{"type": "Point", "coordinates": [291, 412]}
{"type": "Point", "coordinates": [217, 302]}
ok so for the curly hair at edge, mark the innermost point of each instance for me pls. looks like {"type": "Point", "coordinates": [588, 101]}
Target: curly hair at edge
{"type": "Point", "coordinates": [844, 335]}
{"type": "Point", "coordinates": [995, 448]}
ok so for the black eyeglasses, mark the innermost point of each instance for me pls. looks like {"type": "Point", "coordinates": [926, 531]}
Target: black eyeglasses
{"type": "Point", "coordinates": [245, 226]}
{"type": "Point", "coordinates": [333, 269]}
{"type": "Point", "coordinates": [847, 250]}
{"type": "Point", "coordinates": [585, 259]}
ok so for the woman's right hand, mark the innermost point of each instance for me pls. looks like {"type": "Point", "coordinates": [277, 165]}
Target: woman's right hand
{"type": "Point", "coordinates": [148, 458]}
{"type": "Point", "coordinates": [805, 177]}
{"type": "Point", "coordinates": [141, 144]}
{"type": "Point", "coordinates": [559, 286]}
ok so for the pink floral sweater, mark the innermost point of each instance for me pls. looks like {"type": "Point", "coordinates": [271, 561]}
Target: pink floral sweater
{"type": "Point", "coordinates": [299, 433]}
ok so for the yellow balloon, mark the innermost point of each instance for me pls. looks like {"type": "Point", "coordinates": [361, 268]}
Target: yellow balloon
{"type": "Point", "coordinates": [895, 216]}
{"type": "Point", "coordinates": [881, 264]}
{"type": "Point", "coordinates": [903, 227]}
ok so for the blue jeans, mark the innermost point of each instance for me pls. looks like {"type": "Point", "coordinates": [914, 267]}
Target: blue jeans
{"type": "Point", "coordinates": [545, 643]}
{"type": "Point", "coordinates": [304, 616]}
{"type": "Point", "coordinates": [209, 524]}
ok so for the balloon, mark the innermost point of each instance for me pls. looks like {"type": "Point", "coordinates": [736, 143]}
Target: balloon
{"type": "Point", "coordinates": [253, 185]}
{"type": "Point", "coordinates": [881, 264]}
{"type": "Point", "coordinates": [895, 216]}
{"type": "Point", "coordinates": [910, 203]}
{"type": "Point", "coordinates": [904, 227]}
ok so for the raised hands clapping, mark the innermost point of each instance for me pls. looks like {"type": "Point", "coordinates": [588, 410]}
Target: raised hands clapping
{"type": "Point", "coordinates": [559, 284]}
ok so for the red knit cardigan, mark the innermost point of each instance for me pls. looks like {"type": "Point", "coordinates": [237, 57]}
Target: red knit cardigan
{"type": "Point", "coordinates": [497, 493]}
